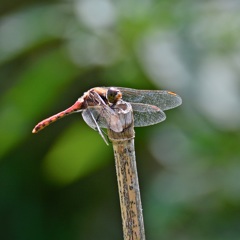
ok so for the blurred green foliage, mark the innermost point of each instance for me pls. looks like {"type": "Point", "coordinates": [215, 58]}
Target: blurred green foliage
{"type": "Point", "coordinates": [60, 183]}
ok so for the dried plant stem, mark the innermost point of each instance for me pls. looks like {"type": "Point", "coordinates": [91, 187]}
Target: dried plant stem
{"type": "Point", "coordinates": [128, 186]}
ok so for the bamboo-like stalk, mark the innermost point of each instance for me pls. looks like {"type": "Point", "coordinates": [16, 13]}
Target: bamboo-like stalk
{"type": "Point", "coordinates": [127, 177]}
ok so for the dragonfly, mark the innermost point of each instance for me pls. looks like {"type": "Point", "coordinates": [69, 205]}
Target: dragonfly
{"type": "Point", "coordinates": [97, 107]}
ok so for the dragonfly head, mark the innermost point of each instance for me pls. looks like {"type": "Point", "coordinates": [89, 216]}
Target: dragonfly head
{"type": "Point", "coordinates": [113, 95]}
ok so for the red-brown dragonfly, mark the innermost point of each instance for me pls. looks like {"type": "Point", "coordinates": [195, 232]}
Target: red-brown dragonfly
{"type": "Point", "coordinates": [97, 105]}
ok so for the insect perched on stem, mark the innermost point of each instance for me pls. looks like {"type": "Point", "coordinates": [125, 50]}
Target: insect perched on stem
{"type": "Point", "coordinates": [120, 110]}
{"type": "Point", "coordinates": [97, 107]}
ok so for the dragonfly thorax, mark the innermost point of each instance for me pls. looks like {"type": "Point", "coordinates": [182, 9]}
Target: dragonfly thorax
{"type": "Point", "coordinates": [113, 95]}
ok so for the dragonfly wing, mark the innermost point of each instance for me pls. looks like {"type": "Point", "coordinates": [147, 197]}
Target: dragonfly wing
{"type": "Point", "coordinates": [90, 118]}
{"type": "Point", "coordinates": [145, 115]}
{"type": "Point", "coordinates": [91, 121]}
{"type": "Point", "coordinates": [103, 116]}
{"type": "Point", "coordinates": [163, 99]}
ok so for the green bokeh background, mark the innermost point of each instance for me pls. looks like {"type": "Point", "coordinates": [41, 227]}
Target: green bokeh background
{"type": "Point", "coordinates": [61, 183]}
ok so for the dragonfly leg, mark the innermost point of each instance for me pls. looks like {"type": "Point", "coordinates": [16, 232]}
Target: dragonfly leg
{"type": "Point", "coordinates": [98, 128]}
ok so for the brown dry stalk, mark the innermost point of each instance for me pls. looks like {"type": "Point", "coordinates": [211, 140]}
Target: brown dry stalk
{"type": "Point", "coordinates": [127, 177]}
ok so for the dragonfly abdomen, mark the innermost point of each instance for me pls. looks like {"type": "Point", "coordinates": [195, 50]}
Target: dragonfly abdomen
{"type": "Point", "coordinates": [77, 106]}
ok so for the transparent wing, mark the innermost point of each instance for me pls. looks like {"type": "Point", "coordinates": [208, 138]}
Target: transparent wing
{"type": "Point", "coordinates": [163, 99]}
{"type": "Point", "coordinates": [90, 120]}
{"type": "Point", "coordinates": [103, 116]}
{"type": "Point", "coordinates": [145, 115]}
{"type": "Point", "coordinates": [90, 116]}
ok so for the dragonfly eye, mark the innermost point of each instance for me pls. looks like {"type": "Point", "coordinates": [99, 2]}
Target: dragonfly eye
{"type": "Point", "coordinates": [113, 95]}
